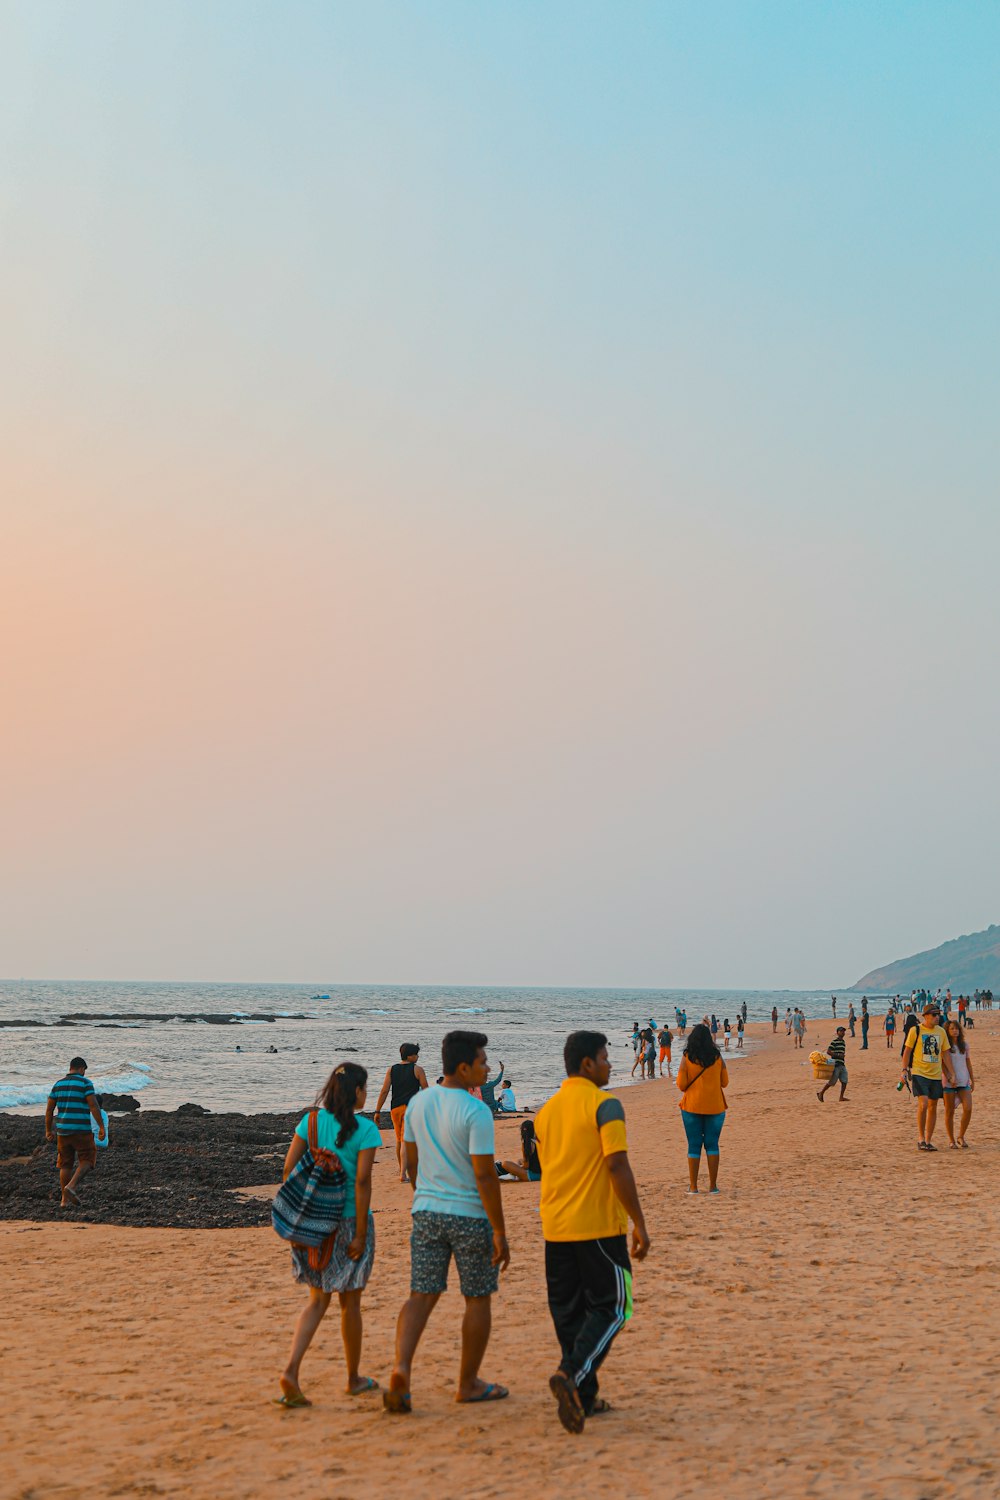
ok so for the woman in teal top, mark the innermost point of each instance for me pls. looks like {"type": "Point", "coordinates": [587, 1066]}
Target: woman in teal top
{"type": "Point", "coordinates": [354, 1142]}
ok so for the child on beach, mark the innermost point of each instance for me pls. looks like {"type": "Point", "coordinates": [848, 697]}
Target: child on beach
{"type": "Point", "coordinates": [701, 1079]}
{"type": "Point", "coordinates": [666, 1039]}
{"type": "Point", "coordinates": [650, 1054]}
{"type": "Point", "coordinates": [354, 1143]}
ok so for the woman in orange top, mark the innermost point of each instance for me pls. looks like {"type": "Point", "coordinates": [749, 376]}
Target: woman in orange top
{"type": "Point", "coordinates": [701, 1078]}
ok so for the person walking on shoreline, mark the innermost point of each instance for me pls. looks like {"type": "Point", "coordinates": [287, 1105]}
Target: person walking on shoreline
{"type": "Point", "coordinates": [959, 1091]}
{"type": "Point", "coordinates": [926, 1061]}
{"type": "Point", "coordinates": [865, 1023]}
{"type": "Point", "coordinates": [354, 1142]}
{"type": "Point", "coordinates": [774, 1019]}
{"type": "Point", "coordinates": [73, 1102]}
{"type": "Point", "coordinates": [404, 1079]}
{"type": "Point", "coordinates": [701, 1078]}
{"type": "Point", "coordinates": [798, 1026]}
{"type": "Point", "coordinates": [889, 1026]}
{"type": "Point", "coordinates": [457, 1212]}
{"type": "Point", "coordinates": [666, 1042]}
{"type": "Point", "coordinates": [588, 1196]}
{"type": "Point", "coordinates": [836, 1051]}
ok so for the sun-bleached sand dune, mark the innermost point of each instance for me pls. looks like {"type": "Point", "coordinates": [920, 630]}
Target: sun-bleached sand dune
{"type": "Point", "coordinates": [825, 1327]}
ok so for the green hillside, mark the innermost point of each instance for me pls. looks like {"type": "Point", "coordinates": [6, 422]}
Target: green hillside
{"type": "Point", "coordinates": [963, 964]}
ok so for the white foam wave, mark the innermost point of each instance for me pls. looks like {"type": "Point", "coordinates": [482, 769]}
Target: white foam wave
{"type": "Point", "coordinates": [22, 1094]}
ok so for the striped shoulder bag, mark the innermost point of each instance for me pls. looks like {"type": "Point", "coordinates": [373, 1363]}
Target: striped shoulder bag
{"type": "Point", "coordinates": [309, 1204]}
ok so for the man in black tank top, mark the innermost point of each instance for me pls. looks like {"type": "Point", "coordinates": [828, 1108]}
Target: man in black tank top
{"type": "Point", "coordinates": [403, 1081]}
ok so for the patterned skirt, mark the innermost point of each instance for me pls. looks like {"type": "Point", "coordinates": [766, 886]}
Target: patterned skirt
{"type": "Point", "coordinates": [340, 1274]}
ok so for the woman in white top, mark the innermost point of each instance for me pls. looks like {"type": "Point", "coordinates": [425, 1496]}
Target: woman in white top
{"type": "Point", "coordinates": [961, 1090]}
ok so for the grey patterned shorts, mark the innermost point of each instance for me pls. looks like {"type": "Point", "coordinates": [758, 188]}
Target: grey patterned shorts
{"type": "Point", "coordinates": [435, 1238]}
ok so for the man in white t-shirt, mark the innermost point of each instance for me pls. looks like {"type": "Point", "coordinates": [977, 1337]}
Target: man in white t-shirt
{"type": "Point", "coordinates": [457, 1212]}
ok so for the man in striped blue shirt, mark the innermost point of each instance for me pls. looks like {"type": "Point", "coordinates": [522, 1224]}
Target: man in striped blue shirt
{"type": "Point", "coordinates": [73, 1102]}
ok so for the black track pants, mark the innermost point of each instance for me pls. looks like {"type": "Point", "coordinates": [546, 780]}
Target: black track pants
{"type": "Point", "coordinates": [590, 1299]}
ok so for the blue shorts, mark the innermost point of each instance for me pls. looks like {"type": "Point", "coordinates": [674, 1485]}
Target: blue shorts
{"type": "Point", "coordinates": [703, 1131]}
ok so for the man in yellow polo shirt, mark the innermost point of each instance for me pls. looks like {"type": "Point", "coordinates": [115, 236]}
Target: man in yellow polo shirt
{"type": "Point", "coordinates": [588, 1196]}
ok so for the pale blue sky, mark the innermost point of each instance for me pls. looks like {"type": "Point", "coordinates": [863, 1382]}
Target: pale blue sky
{"type": "Point", "coordinates": [499, 492]}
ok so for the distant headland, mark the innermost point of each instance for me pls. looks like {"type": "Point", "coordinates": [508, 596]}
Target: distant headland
{"type": "Point", "coordinates": [963, 964]}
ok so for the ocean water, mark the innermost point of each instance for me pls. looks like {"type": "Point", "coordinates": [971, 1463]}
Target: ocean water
{"type": "Point", "coordinates": [144, 1039]}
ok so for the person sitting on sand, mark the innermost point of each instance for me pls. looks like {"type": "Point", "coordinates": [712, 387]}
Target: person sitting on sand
{"type": "Point", "coordinates": [354, 1142]}
{"type": "Point", "coordinates": [457, 1212]}
{"type": "Point", "coordinates": [529, 1168]}
{"type": "Point", "coordinates": [506, 1103]}
{"type": "Point", "coordinates": [926, 1060]}
{"type": "Point", "coordinates": [488, 1092]}
{"type": "Point", "coordinates": [701, 1078]}
{"type": "Point", "coordinates": [836, 1052]}
{"type": "Point", "coordinates": [73, 1102]}
{"type": "Point", "coordinates": [959, 1091]}
{"type": "Point", "coordinates": [405, 1079]}
{"type": "Point", "coordinates": [588, 1196]}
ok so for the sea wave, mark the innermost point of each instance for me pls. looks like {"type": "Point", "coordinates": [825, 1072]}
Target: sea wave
{"type": "Point", "coordinates": [21, 1094]}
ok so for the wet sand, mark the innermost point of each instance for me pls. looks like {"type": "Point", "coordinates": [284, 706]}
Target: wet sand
{"type": "Point", "coordinates": [792, 1336]}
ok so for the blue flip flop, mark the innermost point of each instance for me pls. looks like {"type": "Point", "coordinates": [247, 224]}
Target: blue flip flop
{"type": "Point", "coordinates": [362, 1390]}
{"type": "Point", "coordinates": [491, 1393]}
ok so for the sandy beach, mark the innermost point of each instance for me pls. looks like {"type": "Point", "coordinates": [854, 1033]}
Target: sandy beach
{"type": "Point", "coordinates": [786, 1339]}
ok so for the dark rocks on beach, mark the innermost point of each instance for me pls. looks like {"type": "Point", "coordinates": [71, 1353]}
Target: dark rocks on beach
{"type": "Point", "coordinates": [119, 1103]}
{"type": "Point", "coordinates": [163, 1168]}
{"type": "Point", "coordinates": [192, 1109]}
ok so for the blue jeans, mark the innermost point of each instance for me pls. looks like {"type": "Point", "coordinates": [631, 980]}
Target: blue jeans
{"type": "Point", "coordinates": [702, 1131]}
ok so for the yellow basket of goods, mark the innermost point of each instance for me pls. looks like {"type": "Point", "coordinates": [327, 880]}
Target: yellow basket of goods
{"type": "Point", "coordinates": [822, 1066]}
